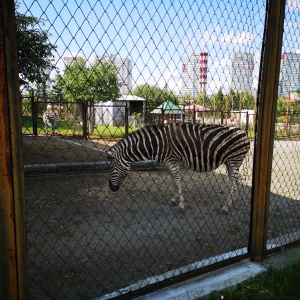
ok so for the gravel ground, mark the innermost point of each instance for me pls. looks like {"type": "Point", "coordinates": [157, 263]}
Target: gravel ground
{"type": "Point", "coordinates": [85, 241]}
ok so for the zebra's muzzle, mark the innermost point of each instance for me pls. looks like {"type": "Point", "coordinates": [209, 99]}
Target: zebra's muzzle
{"type": "Point", "coordinates": [114, 188]}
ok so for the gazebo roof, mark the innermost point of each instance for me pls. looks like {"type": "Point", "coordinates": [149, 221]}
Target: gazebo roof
{"type": "Point", "coordinates": [297, 89]}
{"type": "Point", "coordinates": [168, 108]}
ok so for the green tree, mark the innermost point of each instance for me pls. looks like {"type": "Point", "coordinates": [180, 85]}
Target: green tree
{"type": "Point", "coordinates": [35, 52]}
{"type": "Point", "coordinates": [185, 98]}
{"type": "Point", "coordinates": [234, 100]}
{"type": "Point", "coordinates": [281, 106]}
{"type": "Point", "coordinates": [154, 94]}
{"type": "Point", "coordinates": [104, 82]}
{"type": "Point", "coordinates": [97, 82]}
{"type": "Point", "coordinates": [73, 83]}
{"type": "Point", "coordinates": [247, 100]}
{"type": "Point", "coordinates": [166, 94]}
{"type": "Point", "coordinates": [202, 99]}
{"type": "Point", "coordinates": [219, 100]}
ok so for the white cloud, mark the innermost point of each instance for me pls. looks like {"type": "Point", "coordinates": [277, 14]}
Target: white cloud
{"type": "Point", "coordinates": [214, 85]}
{"type": "Point", "coordinates": [245, 38]}
{"type": "Point", "coordinates": [227, 39]}
{"type": "Point", "coordinates": [202, 39]}
{"type": "Point", "coordinates": [292, 25]}
{"type": "Point", "coordinates": [293, 4]}
{"type": "Point", "coordinates": [169, 77]}
{"type": "Point", "coordinates": [224, 62]}
{"type": "Point", "coordinates": [208, 37]}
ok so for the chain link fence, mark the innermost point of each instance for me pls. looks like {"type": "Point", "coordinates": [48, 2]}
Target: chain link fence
{"type": "Point", "coordinates": [284, 200]}
{"type": "Point", "coordinates": [116, 67]}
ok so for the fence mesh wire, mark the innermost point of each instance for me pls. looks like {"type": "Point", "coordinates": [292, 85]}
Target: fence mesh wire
{"type": "Point", "coordinates": [284, 200]}
{"type": "Point", "coordinates": [116, 67]}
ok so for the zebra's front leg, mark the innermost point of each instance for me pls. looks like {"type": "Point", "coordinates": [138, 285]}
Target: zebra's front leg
{"type": "Point", "coordinates": [233, 187]}
{"type": "Point", "coordinates": [175, 174]}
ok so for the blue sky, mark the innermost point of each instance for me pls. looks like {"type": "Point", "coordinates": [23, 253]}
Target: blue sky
{"type": "Point", "coordinates": [156, 34]}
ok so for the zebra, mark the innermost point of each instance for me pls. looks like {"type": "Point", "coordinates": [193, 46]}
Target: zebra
{"type": "Point", "coordinates": [202, 148]}
{"type": "Point", "coordinates": [49, 118]}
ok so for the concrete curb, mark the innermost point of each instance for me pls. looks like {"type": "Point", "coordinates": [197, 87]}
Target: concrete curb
{"type": "Point", "coordinates": [204, 284]}
{"type": "Point", "coordinates": [86, 167]}
{"type": "Point", "coordinates": [223, 278]}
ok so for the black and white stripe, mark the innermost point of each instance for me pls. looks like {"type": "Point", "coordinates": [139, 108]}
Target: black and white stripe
{"type": "Point", "coordinates": [49, 118]}
{"type": "Point", "coordinates": [202, 148]}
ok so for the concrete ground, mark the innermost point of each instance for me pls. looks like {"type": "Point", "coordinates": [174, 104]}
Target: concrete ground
{"type": "Point", "coordinates": [223, 278]}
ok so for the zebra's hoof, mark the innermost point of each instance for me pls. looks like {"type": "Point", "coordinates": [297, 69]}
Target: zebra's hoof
{"type": "Point", "coordinates": [173, 202]}
{"type": "Point", "coordinates": [181, 206]}
{"type": "Point", "coordinates": [225, 209]}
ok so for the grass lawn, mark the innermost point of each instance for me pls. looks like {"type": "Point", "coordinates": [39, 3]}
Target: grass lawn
{"type": "Point", "coordinates": [276, 284]}
{"type": "Point", "coordinates": [68, 128]}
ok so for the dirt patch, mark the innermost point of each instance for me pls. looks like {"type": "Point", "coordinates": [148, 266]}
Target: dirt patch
{"type": "Point", "coordinates": [59, 149]}
{"type": "Point", "coordinates": [85, 241]}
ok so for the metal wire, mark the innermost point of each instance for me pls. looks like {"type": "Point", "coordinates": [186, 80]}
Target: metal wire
{"type": "Point", "coordinates": [85, 241]}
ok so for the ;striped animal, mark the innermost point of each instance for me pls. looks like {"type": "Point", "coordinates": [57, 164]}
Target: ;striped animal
{"type": "Point", "coordinates": [49, 118]}
{"type": "Point", "coordinates": [202, 148]}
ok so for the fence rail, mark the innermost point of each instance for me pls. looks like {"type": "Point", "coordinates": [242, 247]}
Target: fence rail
{"type": "Point", "coordinates": [83, 118]}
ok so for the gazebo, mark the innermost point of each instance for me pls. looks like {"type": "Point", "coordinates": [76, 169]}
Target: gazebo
{"type": "Point", "coordinates": [169, 110]}
{"type": "Point", "coordinates": [295, 93]}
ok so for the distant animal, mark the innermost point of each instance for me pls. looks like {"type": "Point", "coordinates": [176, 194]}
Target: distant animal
{"type": "Point", "coordinates": [202, 148]}
{"type": "Point", "coordinates": [49, 117]}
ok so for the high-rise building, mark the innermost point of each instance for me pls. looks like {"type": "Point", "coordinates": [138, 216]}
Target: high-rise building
{"type": "Point", "coordinates": [124, 67]}
{"type": "Point", "coordinates": [194, 74]}
{"type": "Point", "coordinates": [70, 59]}
{"type": "Point", "coordinates": [289, 73]}
{"type": "Point", "coordinates": [242, 65]}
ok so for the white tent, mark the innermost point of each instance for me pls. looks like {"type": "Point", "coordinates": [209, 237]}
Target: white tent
{"type": "Point", "coordinates": [112, 113]}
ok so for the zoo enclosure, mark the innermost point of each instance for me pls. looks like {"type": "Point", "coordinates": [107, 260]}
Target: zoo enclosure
{"type": "Point", "coordinates": [67, 239]}
{"type": "Point", "coordinates": [81, 118]}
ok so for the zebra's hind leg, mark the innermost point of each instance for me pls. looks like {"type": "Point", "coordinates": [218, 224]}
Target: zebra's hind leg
{"type": "Point", "coordinates": [233, 173]}
{"type": "Point", "coordinates": [175, 174]}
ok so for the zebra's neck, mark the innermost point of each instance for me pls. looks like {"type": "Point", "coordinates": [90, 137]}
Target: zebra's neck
{"type": "Point", "coordinates": [142, 145]}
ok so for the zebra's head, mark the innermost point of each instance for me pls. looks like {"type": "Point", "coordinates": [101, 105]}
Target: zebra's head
{"type": "Point", "coordinates": [119, 169]}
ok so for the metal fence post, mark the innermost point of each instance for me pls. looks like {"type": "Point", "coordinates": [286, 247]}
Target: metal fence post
{"type": "Point", "coordinates": [126, 123]}
{"type": "Point", "coordinates": [247, 122]}
{"type": "Point", "coordinates": [84, 119]}
{"type": "Point", "coordinates": [13, 255]}
{"type": "Point", "coordinates": [194, 115]}
{"type": "Point", "coordinates": [33, 114]}
{"type": "Point", "coordinates": [162, 115]}
{"type": "Point", "coordinates": [268, 87]}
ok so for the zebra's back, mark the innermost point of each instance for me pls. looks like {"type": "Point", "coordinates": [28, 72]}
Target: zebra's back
{"type": "Point", "coordinates": [206, 147]}
{"type": "Point", "coordinates": [199, 147]}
